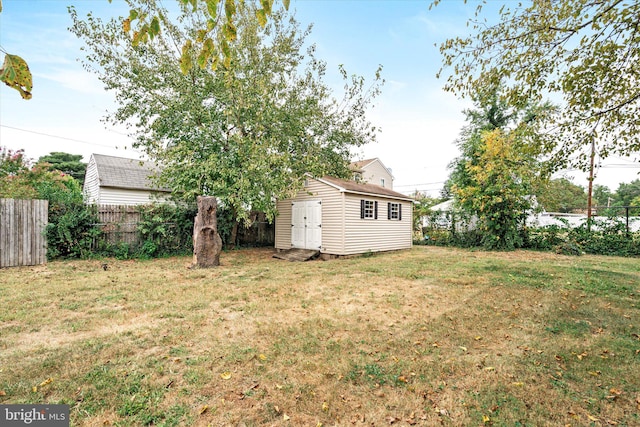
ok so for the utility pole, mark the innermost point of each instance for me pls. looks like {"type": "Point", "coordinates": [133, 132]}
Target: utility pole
{"type": "Point", "coordinates": [589, 197]}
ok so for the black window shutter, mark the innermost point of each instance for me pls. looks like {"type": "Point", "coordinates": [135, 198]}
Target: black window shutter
{"type": "Point", "coordinates": [375, 212]}
{"type": "Point", "coordinates": [400, 211]}
{"type": "Point", "coordinates": [388, 210]}
{"type": "Point", "coordinates": [361, 209]}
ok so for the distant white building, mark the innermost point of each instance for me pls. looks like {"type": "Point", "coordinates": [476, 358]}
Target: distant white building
{"type": "Point", "coordinates": [111, 180]}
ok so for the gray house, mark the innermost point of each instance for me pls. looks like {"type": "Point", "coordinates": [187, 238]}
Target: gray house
{"type": "Point", "coordinates": [113, 180]}
{"type": "Point", "coordinates": [340, 217]}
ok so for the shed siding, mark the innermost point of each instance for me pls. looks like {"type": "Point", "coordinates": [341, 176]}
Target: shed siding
{"type": "Point", "coordinates": [119, 196]}
{"type": "Point", "coordinates": [374, 171]}
{"type": "Point", "coordinates": [332, 214]}
{"type": "Point", "coordinates": [382, 234]}
{"type": "Point", "coordinates": [91, 188]}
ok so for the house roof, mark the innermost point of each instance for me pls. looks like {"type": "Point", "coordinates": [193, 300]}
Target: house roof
{"type": "Point", "coordinates": [120, 172]}
{"type": "Point", "coordinates": [361, 165]}
{"type": "Point", "coordinates": [362, 188]}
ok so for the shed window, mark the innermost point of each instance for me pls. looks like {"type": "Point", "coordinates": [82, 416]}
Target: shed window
{"type": "Point", "coordinates": [394, 211]}
{"type": "Point", "coordinates": [368, 209]}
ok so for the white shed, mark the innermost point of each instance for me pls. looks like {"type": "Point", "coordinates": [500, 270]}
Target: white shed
{"type": "Point", "coordinates": [341, 217]}
{"type": "Point", "coordinates": [113, 180]}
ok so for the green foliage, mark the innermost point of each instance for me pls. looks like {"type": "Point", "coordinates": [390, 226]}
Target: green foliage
{"type": "Point", "coordinates": [498, 170]}
{"type": "Point", "coordinates": [579, 51]}
{"type": "Point", "coordinates": [627, 192]}
{"type": "Point", "coordinates": [166, 229]}
{"type": "Point", "coordinates": [422, 208]}
{"type": "Point", "coordinates": [71, 230]}
{"type": "Point", "coordinates": [499, 181]}
{"type": "Point", "coordinates": [70, 164]}
{"type": "Point", "coordinates": [561, 195]}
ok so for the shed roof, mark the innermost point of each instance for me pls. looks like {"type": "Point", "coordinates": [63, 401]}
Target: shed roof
{"type": "Point", "coordinates": [120, 172]}
{"type": "Point", "coordinates": [362, 188]}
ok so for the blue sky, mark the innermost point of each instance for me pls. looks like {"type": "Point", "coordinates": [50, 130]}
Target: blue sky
{"type": "Point", "coordinates": [419, 121]}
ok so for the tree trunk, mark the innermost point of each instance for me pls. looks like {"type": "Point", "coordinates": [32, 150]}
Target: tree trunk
{"type": "Point", "coordinates": [207, 243]}
{"type": "Point", "coordinates": [234, 234]}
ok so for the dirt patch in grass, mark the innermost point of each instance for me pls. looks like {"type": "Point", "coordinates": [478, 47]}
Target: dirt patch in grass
{"type": "Point", "coordinates": [428, 336]}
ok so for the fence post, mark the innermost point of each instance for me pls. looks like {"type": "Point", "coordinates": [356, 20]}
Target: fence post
{"type": "Point", "coordinates": [627, 214]}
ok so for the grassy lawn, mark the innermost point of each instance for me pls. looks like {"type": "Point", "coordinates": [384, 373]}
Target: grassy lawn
{"type": "Point", "coordinates": [428, 336]}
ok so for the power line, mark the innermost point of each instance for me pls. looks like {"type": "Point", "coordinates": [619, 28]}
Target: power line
{"type": "Point", "coordinates": [56, 136]}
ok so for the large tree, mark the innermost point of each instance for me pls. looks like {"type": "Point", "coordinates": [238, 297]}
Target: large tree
{"type": "Point", "coordinates": [70, 164]}
{"type": "Point", "coordinates": [561, 195]}
{"type": "Point", "coordinates": [245, 131]}
{"type": "Point", "coordinates": [583, 54]}
{"type": "Point", "coordinates": [498, 169]}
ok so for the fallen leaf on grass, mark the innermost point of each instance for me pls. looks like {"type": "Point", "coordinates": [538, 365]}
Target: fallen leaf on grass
{"type": "Point", "coordinates": [47, 381]}
{"type": "Point", "coordinates": [262, 357]}
{"type": "Point", "coordinates": [3, 393]}
{"type": "Point", "coordinates": [204, 409]}
{"type": "Point", "coordinates": [592, 418]}
{"type": "Point", "coordinates": [614, 393]}
{"type": "Point", "coordinates": [325, 406]}
{"type": "Point", "coordinates": [486, 419]}
{"type": "Point", "coordinates": [286, 417]}
{"type": "Point", "coordinates": [225, 375]}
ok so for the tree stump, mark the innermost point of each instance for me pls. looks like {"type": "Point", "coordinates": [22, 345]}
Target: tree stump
{"type": "Point", "coordinates": [207, 243]}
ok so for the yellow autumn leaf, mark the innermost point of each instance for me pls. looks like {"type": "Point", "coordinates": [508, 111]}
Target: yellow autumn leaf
{"type": "Point", "coordinates": [204, 409]}
{"type": "Point", "coordinates": [285, 417]}
{"type": "Point", "coordinates": [225, 375]}
{"type": "Point", "coordinates": [592, 418]}
{"type": "Point", "coordinates": [47, 381]}
{"type": "Point", "coordinates": [262, 357]}
{"type": "Point", "coordinates": [34, 389]}
{"type": "Point", "coordinates": [325, 406]}
{"type": "Point", "coordinates": [485, 419]}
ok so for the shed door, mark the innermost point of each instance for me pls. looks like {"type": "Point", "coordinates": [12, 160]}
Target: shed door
{"type": "Point", "coordinates": [306, 224]}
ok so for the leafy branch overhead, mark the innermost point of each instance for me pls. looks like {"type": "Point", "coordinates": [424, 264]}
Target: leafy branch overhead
{"type": "Point", "coordinates": [582, 54]}
{"type": "Point", "coordinates": [214, 37]}
{"type": "Point", "coordinates": [15, 73]}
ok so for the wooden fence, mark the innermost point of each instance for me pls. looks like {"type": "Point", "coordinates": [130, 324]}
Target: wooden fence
{"type": "Point", "coordinates": [23, 226]}
{"type": "Point", "coordinates": [119, 224]}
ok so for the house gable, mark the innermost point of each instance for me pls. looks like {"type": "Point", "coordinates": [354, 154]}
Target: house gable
{"type": "Point", "coordinates": [373, 171]}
